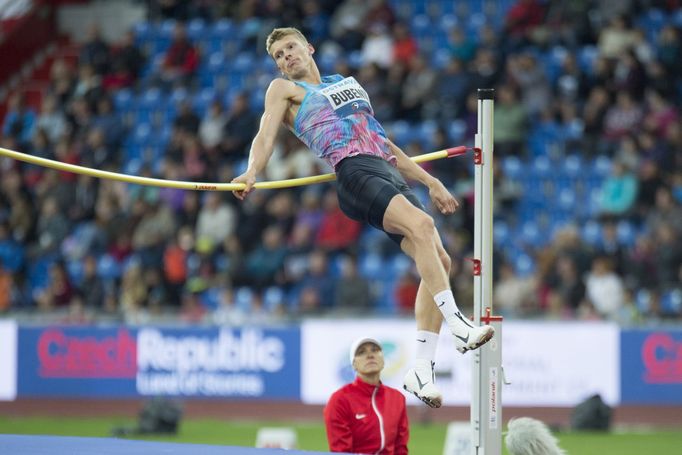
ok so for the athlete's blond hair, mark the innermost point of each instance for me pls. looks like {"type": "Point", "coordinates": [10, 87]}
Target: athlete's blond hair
{"type": "Point", "coordinates": [279, 33]}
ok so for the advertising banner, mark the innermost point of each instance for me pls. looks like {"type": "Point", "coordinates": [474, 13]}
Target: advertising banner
{"type": "Point", "coordinates": [547, 363]}
{"type": "Point", "coordinates": [8, 360]}
{"type": "Point", "coordinates": [122, 362]}
{"type": "Point", "coordinates": [651, 366]}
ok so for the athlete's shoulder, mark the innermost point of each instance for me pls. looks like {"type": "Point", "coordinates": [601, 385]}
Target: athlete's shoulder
{"type": "Point", "coordinates": [281, 87]}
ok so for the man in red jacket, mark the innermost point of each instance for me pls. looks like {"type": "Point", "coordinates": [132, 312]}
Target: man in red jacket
{"type": "Point", "coordinates": [366, 416]}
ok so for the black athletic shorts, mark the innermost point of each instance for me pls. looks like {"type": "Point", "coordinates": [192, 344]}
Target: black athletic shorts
{"type": "Point", "coordinates": [365, 186]}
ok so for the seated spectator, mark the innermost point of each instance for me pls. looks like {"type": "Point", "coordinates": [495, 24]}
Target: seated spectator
{"type": "Point", "coordinates": [604, 288]}
{"type": "Point", "coordinates": [91, 288]}
{"type": "Point", "coordinates": [94, 51]}
{"type": "Point", "coordinates": [187, 120]}
{"type": "Point", "coordinates": [217, 220]}
{"type": "Point", "coordinates": [418, 89]}
{"type": "Point", "coordinates": [405, 292]}
{"type": "Point", "coordinates": [521, 20]}
{"type": "Point", "coordinates": [227, 313]}
{"type": "Point", "coordinates": [530, 77]}
{"type": "Point", "coordinates": [240, 127]}
{"type": "Point", "coordinates": [318, 280]}
{"type": "Point", "coordinates": [127, 62]}
{"type": "Point", "coordinates": [62, 82]}
{"type": "Point", "coordinates": [623, 118]}
{"type": "Point", "coordinates": [59, 290]}
{"type": "Point", "coordinates": [337, 231]}
{"type": "Point", "coordinates": [618, 192]}
{"type": "Point", "coordinates": [461, 47]}
{"type": "Point", "coordinates": [511, 123]}
{"type": "Point", "coordinates": [377, 48]}
{"type": "Point", "coordinates": [181, 61]}
{"type": "Point", "coordinates": [263, 266]}
{"type": "Point", "coordinates": [404, 45]}
{"type": "Point", "coordinates": [51, 119]}
{"type": "Point", "coordinates": [20, 120]}
{"type": "Point", "coordinates": [211, 128]}
{"type": "Point", "coordinates": [616, 38]}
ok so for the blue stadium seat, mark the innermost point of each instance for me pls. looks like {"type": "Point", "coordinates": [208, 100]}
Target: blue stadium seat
{"type": "Point", "coordinates": [244, 62]}
{"type": "Point", "coordinates": [216, 62]}
{"type": "Point", "coordinates": [355, 59]}
{"type": "Point", "coordinates": [512, 168]}
{"type": "Point", "coordinates": [456, 131]}
{"type": "Point", "coordinates": [108, 268]}
{"type": "Point", "coordinates": [572, 166]}
{"type": "Point", "coordinates": [530, 233]}
{"type": "Point", "coordinates": [243, 297]}
{"type": "Point", "coordinates": [586, 57]}
{"type": "Point", "coordinates": [601, 166]}
{"type": "Point", "coordinates": [626, 233]}
{"type": "Point", "coordinates": [223, 29]}
{"type": "Point", "coordinates": [12, 255]}
{"type": "Point", "coordinates": [643, 301]}
{"type": "Point", "coordinates": [591, 233]}
{"type": "Point", "coordinates": [541, 167]}
{"type": "Point", "coordinates": [38, 273]}
{"type": "Point", "coordinates": [420, 25]}
{"type": "Point", "coordinates": [524, 265]}
{"type": "Point", "coordinates": [210, 298]}
{"type": "Point", "coordinates": [203, 99]}
{"type": "Point", "coordinates": [142, 134]}
{"type": "Point", "coordinates": [133, 165]}
{"type": "Point", "coordinates": [426, 129]}
{"type": "Point", "coordinates": [371, 266]}
{"type": "Point", "coordinates": [399, 264]}
{"type": "Point", "coordinates": [501, 233]}
{"type": "Point", "coordinates": [75, 270]}
{"type": "Point", "coordinates": [671, 302]}
{"type": "Point", "coordinates": [197, 29]}
{"type": "Point", "coordinates": [401, 131]}
{"type": "Point", "coordinates": [273, 297]}
{"type": "Point", "coordinates": [166, 28]}
{"type": "Point", "coordinates": [124, 100]}
{"type": "Point", "coordinates": [144, 31]}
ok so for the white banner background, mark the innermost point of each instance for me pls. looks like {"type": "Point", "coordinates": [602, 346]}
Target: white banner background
{"type": "Point", "coordinates": [548, 363]}
{"type": "Point", "coordinates": [8, 360]}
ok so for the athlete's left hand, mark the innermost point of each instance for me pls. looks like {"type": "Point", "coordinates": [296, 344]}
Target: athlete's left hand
{"type": "Point", "coordinates": [442, 199]}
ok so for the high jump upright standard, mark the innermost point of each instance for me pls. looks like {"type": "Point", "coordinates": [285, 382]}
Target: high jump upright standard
{"type": "Point", "coordinates": [487, 373]}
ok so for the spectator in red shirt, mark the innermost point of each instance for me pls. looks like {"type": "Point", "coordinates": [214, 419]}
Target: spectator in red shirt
{"type": "Point", "coordinates": [181, 61]}
{"type": "Point", "coordinates": [366, 416]}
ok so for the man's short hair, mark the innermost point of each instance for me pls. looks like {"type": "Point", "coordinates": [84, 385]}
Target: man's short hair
{"type": "Point", "coordinates": [279, 33]}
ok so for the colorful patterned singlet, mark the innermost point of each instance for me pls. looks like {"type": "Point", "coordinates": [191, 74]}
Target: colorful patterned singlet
{"type": "Point", "coordinates": [336, 120]}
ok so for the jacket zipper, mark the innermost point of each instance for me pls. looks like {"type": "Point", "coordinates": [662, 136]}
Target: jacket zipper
{"type": "Point", "coordinates": [381, 420]}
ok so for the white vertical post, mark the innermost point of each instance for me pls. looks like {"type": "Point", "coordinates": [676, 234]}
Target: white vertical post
{"type": "Point", "coordinates": [486, 411]}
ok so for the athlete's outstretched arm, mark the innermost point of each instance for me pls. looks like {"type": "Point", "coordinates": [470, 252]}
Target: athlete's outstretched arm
{"type": "Point", "coordinates": [441, 197]}
{"type": "Point", "coordinates": [276, 104]}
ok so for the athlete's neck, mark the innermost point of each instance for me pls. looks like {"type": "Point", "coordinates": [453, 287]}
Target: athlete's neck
{"type": "Point", "coordinates": [312, 76]}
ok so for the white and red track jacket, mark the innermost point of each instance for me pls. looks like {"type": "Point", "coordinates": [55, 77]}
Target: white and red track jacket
{"type": "Point", "coordinates": [367, 419]}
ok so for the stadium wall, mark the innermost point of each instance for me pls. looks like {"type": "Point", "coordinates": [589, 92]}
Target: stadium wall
{"type": "Point", "coordinates": [548, 364]}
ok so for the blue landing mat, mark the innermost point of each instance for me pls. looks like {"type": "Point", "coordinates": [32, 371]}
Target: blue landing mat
{"type": "Point", "coordinates": [66, 445]}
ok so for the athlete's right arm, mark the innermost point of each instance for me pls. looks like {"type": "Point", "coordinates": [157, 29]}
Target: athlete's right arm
{"type": "Point", "coordinates": [276, 103]}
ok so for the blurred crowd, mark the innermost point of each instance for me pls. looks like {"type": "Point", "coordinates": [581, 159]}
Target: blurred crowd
{"type": "Point", "coordinates": [598, 81]}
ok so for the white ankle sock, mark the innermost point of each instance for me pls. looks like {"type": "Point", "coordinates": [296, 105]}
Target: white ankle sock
{"type": "Point", "coordinates": [446, 304]}
{"type": "Point", "coordinates": [427, 342]}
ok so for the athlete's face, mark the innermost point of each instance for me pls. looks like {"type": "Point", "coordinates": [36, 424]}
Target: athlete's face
{"type": "Point", "coordinates": [292, 56]}
{"type": "Point", "coordinates": [369, 359]}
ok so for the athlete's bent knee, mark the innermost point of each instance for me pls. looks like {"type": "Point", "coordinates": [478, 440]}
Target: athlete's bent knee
{"type": "Point", "coordinates": [423, 227]}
